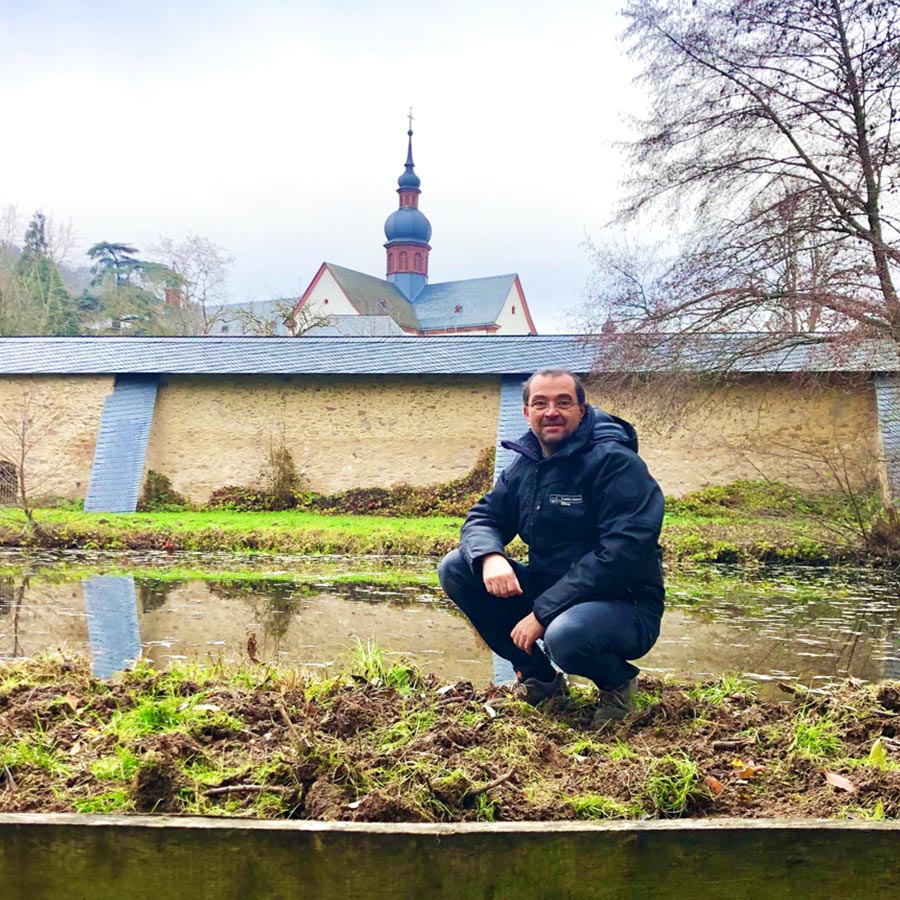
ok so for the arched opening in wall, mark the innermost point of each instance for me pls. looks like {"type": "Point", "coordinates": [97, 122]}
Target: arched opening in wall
{"type": "Point", "coordinates": [418, 262]}
{"type": "Point", "coordinates": [9, 482]}
{"type": "Point", "coordinates": [390, 261]}
{"type": "Point", "coordinates": [404, 263]}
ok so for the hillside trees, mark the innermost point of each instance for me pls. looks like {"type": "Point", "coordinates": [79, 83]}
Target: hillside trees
{"type": "Point", "coordinates": [772, 130]}
{"type": "Point", "coordinates": [33, 298]}
{"type": "Point", "coordinates": [127, 294]}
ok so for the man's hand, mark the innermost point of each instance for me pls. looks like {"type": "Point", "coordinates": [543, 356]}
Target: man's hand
{"type": "Point", "coordinates": [499, 576]}
{"type": "Point", "coordinates": [526, 632]}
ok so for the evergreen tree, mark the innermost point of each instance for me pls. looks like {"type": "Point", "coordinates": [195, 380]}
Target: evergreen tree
{"type": "Point", "coordinates": [36, 300]}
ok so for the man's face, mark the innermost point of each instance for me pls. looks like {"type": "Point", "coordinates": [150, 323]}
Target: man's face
{"type": "Point", "coordinates": [553, 411]}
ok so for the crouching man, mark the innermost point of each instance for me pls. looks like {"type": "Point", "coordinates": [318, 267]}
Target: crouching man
{"type": "Point", "coordinates": [583, 501]}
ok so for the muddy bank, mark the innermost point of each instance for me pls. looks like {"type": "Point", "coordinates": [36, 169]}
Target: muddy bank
{"type": "Point", "coordinates": [388, 744]}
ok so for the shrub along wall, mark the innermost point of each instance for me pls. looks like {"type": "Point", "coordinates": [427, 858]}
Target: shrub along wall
{"type": "Point", "coordinates": [451, 498]}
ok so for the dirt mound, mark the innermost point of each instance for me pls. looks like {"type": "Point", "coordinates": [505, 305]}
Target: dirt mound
{"type": "Point", "coordinates": [385, 748]}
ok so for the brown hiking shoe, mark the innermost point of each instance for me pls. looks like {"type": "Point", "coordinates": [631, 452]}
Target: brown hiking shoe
{"type": "Point", "coordinates": [534, 692]}
{"type": "Point", "coordinates": [614, 705]}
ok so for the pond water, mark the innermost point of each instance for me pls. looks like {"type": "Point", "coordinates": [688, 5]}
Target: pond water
{"type": "Point", "coordinates": [769, 623]}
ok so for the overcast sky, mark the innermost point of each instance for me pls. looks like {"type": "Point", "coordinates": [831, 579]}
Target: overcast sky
{"type": "Point", "coordinates": [278, 129]}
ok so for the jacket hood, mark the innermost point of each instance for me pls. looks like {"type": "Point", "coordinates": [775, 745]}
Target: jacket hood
{"type": "Point", "coordinates": [596, 427]}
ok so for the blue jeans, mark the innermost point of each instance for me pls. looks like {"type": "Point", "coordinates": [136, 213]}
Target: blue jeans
{"type": "Point", "coordinates": [594, 639]}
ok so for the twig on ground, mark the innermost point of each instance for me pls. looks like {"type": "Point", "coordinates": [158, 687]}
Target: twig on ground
{"type": "Point", "coordinates": [292, 728]}
{"type": "Point", "coordinates": [474, 792]}
{"type": "Point", "coordinates": [249, 789]}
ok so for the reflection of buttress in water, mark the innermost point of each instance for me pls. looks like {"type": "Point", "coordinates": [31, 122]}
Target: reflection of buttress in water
{"type": "Point", "coordinates": [111, 606]}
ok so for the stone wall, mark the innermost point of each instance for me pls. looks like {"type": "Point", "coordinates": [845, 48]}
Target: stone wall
{"type": "Point", "coordinates": [780, 428]}
{"type": "Point", "coordinates": [64, 415]}
{"type": "Point", "coordinates": [348, 431]}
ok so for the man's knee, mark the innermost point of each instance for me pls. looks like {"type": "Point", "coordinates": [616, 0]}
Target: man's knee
{"type": "Point", "coordinates": [567, 641]}
{"type": "Point", "coordinates": [453, 572]}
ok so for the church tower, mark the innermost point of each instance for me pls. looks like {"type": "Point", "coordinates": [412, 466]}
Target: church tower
{"type": "Point", "coordinates": [408, 232]}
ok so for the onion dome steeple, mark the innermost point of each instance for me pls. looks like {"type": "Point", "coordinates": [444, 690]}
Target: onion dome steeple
{"type": "Point", "coordinates": [408, 232]}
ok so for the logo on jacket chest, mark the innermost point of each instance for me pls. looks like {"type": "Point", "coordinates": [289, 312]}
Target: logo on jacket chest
{"type": "Point", "coordinates": [566, 500]}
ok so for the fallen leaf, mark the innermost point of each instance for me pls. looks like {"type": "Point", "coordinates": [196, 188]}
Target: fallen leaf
{"type": "Point", "coordinates": [443, 690]}
{"type": "Point", "coordinates": [490, 710]}
{"type": "Point", "coordinates": [72, 700]}
{"type": "Point", "coordinates": [838, 781]}
{"type": "Point", "coordinates": [713, 784]}
{"type": "Point", "coordinates": [75, 749]}
{"type": "Point", "coordinates": [878, 755]}
{"type": "Point", "coordinates": [745, 769]}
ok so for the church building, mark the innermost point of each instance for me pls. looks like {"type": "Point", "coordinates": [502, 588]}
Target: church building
{"type": "Point", "coordinates": [341, 301]}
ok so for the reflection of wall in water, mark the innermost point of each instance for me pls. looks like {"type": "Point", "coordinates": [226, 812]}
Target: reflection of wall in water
{"type": "Point", "coordinates": [202, 620]}
{"type": "Point", "coordinates": [691, 646]}
{"type": "Point", "coordinates": [40, 617]}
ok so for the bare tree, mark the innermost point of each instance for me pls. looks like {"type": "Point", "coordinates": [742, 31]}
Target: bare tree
{"type": "Point", "coordinates": [23, 428]}
{"type": "Point", "coordinates": [772, 130]}
{"type": "Point", "coordinates": [297, 322]}
{"type": "Point", "coordinates": [198, 305]}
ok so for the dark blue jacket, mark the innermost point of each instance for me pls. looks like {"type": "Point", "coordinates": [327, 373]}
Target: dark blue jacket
{"type": "Point", "coordinates": [590, 514]}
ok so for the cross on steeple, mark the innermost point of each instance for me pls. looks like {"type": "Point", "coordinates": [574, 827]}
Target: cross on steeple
{"type": "Point", "coordinates": [410, 117]}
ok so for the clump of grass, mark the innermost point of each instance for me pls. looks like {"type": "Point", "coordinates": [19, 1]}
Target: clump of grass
{"type": "Point", "coordinates": [874, 813]}
{"type": "Point", "coordinates": [370, 664]}
{"type": "Point", "coordinates": [673, 784]}
{"type": "Point", "coordinates": [406, 728]}
{"type": "Point", "coordinates": [119, 766]}
{"type": "Point", "coordinates": [157, 715]}
{"type": "Point", "coordinates": [599, 806]}
{"type": "Point", "coordinates": [621, 751]}
{"type": "Point", "coordinates": [726, 686]}
{"type": "Point", "coordinates": [33, 751]}
{"type": "Point", "coordinates": [816, 737]}
{"type": "Point", "coordinates": [115, 801]}
{"type": "Point", "coordinates": [485, 809]}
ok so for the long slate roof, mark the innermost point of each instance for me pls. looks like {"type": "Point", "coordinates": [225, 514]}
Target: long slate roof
{"type": "Point", "coordinates": [445, 355]}
{"type": "Point", "coordinates": [480, 301]}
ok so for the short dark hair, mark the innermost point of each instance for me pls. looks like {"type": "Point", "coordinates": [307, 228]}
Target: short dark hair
{"type": "Point", "coordinates": [553, 373]}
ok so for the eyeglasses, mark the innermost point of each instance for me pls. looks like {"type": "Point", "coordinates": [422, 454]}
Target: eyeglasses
{"type": "Point", "coordinates": [563, 404]}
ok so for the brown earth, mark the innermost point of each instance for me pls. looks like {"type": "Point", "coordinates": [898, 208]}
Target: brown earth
{"type": "Point", "coordinates": [262, 744]}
